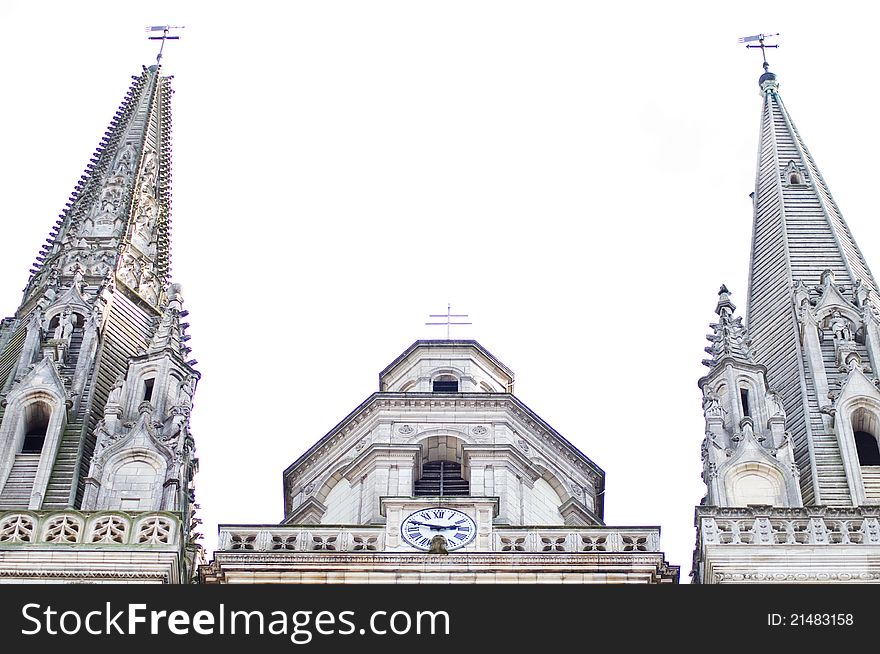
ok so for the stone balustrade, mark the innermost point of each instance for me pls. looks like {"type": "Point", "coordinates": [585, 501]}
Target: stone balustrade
{"type": "Point", "coordinates": [502, 539]}
{"type": "Point", "coordinates": [20, 528]}
{"type": "Point", "coordinates": [765, 525]}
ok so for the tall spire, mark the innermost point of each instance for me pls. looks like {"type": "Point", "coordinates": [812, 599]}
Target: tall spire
{"type": "Point", "coordinates": [803, 258]}
{"type": "Point", "coordinates": [118, 216]}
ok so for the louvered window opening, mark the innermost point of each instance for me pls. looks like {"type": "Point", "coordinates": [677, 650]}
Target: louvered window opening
{"type": "Point", "coordinates": [442, 478]}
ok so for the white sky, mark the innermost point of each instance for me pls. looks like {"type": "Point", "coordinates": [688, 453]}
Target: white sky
{"type": "Point", "coordinates": [573, 175]}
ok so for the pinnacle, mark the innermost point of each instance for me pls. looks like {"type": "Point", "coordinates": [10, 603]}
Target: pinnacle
{"type": "Point", "coordinates": [729, 337]}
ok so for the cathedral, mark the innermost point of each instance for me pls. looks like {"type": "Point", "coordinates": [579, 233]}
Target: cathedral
{"type": "Point", "coordinates": [791, 400]}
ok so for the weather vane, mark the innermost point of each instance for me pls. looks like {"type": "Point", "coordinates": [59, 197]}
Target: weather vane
{"type": "Point", "coordinates": [164, 29]}
{"type": "Point", "coordinates": [760, 39]}
{"type": "Point", "coordinates": [449, 316]}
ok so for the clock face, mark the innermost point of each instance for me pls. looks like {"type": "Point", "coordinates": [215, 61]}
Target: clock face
{"type": "Point", "coordinates": [420, 527]}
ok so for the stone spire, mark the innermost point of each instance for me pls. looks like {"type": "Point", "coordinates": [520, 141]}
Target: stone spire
{"type": "Point", "coordinates": [729, 337]}
{"type": "Point", "coordinates": [118, 216]}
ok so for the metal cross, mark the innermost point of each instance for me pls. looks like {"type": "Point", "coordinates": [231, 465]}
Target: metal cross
{"type": "Point", "coordinates": [760, 39]}
{"type": "Point", "coordinates": [164, 29]}
{"type": "Point", "coordinates": [449, 316]}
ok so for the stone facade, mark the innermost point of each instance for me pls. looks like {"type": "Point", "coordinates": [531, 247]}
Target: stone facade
{"type": "Point", "coordinates": [536, 501]}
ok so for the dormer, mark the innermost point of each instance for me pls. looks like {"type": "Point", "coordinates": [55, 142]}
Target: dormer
{"type": "Point", "coordinates": [446, 367]}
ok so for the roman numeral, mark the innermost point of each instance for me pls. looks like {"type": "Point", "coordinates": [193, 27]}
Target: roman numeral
{"type": "Point", "coordinates": [461, 535]}
{"type": "Point", "coordinates": [458, 522]}
{"type": "Point", "coordinates": [439, 514]}
{"type": "Point", "coordinates": [463, 527]}
{"type": "Point", "coordinates": [425, 515]}
{"type": "Point", "coordinates": [424, 541]}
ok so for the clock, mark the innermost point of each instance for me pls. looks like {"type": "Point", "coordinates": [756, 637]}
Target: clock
{"type": "Point", "coordinates": [420, 527]}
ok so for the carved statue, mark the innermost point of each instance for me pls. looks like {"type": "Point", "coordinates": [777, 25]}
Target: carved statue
{"type": "Point", "coordinates": [186, 392]}
{"type": "Point", "coordinates": [128, 270]}
{"type": "Point", "coordinates": [59, 328]}
{"type": "Point", "coordinates": [149, 286]}
{"type": "Point", "coordinates": [841, 327]}
{"type": "Point", "coordinates": [116, 392]}
{"type": "Point", "coordinates": [67, 324]}
{"type": "Point", "coordinates": [712, 405]}
{"type": "Point", "coordinates": [111, 197]}
{"type": "Point", "coordinates": [148, 170]}
{"type": "Point", "coordinates": [438, 545]}
{"type": "Point", "coordinates": [125, 164]}
{"type": "Point", "coordinates": [145, 217]}
{"type": "Point", "coordinates": [775, 404]}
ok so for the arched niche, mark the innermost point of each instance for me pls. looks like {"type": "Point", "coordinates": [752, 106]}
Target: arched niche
{"type": "Point", "coordinates": [132, 481]}
{"type": "Point", "coordinates": [755, 483]}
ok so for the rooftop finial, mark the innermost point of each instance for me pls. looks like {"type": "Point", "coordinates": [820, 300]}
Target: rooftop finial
{"type": "Point", "coordinates": [760, 39]}
{"type": "Point", "coordinates": [164, 29]}
{"type": "Point", "coordinates": [448, 316]}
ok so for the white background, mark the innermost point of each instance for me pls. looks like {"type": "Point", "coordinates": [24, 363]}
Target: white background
{"type": "Point", "coordinates": [572, 175]}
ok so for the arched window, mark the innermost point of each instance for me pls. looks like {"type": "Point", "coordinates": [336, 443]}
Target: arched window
{"type": "Point", "coordinates": [445, 384]}
{"type": "Point", "coordinates": [36, 424]}
{"type": "Point", "coordinates": [442, 478]}
{"type": "Point", "coordinates": [867, 448]}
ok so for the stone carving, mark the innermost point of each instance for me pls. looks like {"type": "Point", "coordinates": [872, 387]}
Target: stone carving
{"type": "Point", "coordinates": [438, 545]}
{"type": "Point", "coordinates": [145, 217]}
{"type": "Point", "coordinates": [283, 543]}
{"type": "Point", "coordinates": [185, 393]}
{"type": "Point", "coordinates": [149, 286]}
{"type": "Point", "coordinates": [841, 327]}
{"type": "Point", "coordinates": [553, 544]}
{"type": "Point", "coordinates": [63, 529]}
{"type": "Point", "coordinates": [116, 391]}
{"type": "Point", "coordinates": [149, 169]}
{"type": "Point", "coordinates": [128, 270]}
{"type": "Point", "coordinates": [775, 405]}
{"type": "Point", "coordinates": [594, 543]}
{"type": "Point", "coordinates": [17, 529]}
{"type": "Point", "coordinates": [513, 544]}
{"type": "Point", "coordinates": [406, 430]}
{"type": "Point", "coordinates": [125, 161]}
{"type": "Point", "coordinates": [324, 542]}
{"type": "Point", "coordinates": [479, 430]}
{"type": "Point", "coordinates": [365, 543]}
{"type": "Point", "coordinates": [67, 324]}
{"type": "Point", "coordinates": [712, 405]}
{"type": "Point", "coordinates": [110, 529]}
{"type": "Point", "coordinates": [155, 531]}
{"type": "Point", "coordinates": [242, 541]}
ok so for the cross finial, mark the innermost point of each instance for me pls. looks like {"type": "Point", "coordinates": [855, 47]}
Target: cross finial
{"type": "Point", "coordinates": [448, 316]}
{"type": "Point", "coordinates": [164, 29]}
{"type": "Point", "coordinates": [760, 39]}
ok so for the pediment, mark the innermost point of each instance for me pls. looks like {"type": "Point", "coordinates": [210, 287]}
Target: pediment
{"type": "Point", "coordinates": [857, 384]}
{"type": "Point", "coordinates": [43, 376]}
{"type": "Point", "coordinates": [72, 298]}
{"type": "Point", "coordinates": [140, 436]}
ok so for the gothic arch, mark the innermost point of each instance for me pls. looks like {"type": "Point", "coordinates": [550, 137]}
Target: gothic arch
{"type": "Point", "coordinates": [40, 387]}
{"type": "Point", "coordinates": [755, 483]}
{"type": "Point", "coordinates": [858, 410]}
{"type": "Point", "coordinates": [132, 480]}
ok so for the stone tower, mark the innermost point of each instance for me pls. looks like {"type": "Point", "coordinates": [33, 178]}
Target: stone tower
{"type": "Point", "coordinates": [791, 400]}
{"type": "Point", "coordinates": [442, 476]}
{"type": "Point", "coordinates": [96, 457]}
